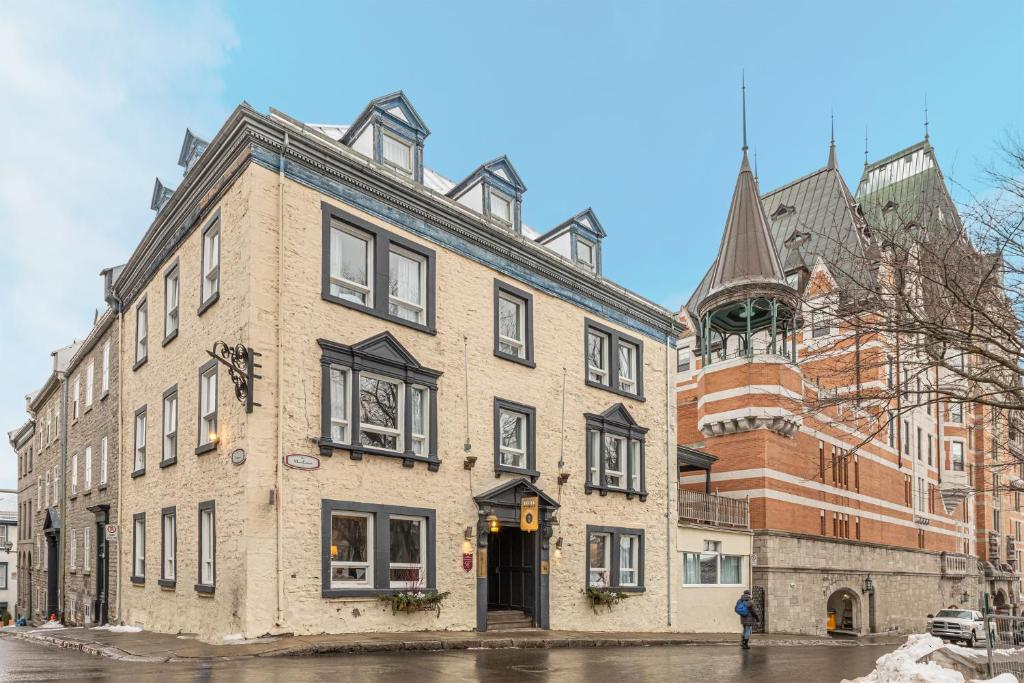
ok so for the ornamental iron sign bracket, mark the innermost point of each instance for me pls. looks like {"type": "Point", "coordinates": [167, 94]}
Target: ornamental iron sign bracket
{"type": "Point", "coordinates": [241, 364]}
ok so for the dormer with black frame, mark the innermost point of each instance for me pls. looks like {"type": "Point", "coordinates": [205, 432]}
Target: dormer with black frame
{"type": "Point", "coordinates": [192, 148]}
{"type": "Point", "coordinates": [390, 132]}
{"type": "Point", "coordinates": [578, 239]}
{"type": "Point", "coordinates": [495, 190]}
{"type": "Point", "coordinates": [616, 454]}
{"type": "Point", "coordinates": [376, 399]}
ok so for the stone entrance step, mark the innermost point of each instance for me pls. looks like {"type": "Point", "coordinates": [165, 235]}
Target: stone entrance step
{"type": "Point", "coordinates": [507, 620]}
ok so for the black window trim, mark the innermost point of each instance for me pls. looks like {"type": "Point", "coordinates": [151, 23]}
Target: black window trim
{"type": "Point", "coordinates": [614, 532]}
{"type": "Point", "coordinates": [614, 338]}
{"type": "Point", "coordinates": [138, 579]}
{"type": "Point", "coordinates": [527, 300]}
{"type": "Point", "coordinates": [164, 460]}
{"type": "Point", "coordinates": [382, 241]}
{"type": "Point", "coordinates": [201, 587]}
{"type": "Point", "coordinates": [142, 305]}
{"type": "Point", "coordinates": [356, 360]}
{"type": "Point", "coordinates": [381, 548]}
{"type": "Point", "coordinates": [204, 305]}
{"type": "Point", "coordinates": [135, 440]}
{"type": "Point", "coordinates": [531, 439]}
{"type": "Point", "coordinates": [171, 270]}
{"type": "Point", "coordinates": [163, 581]}
{"type": "Point", "coordinates": [210, 445]}
{"type": "Point", "coordinates": [618, 422]}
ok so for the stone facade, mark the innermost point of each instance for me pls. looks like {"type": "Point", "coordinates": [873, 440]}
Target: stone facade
{"type": "Point", "coordinates": [24, 442]}
{"type": "Point", "coordinates": [801, 574]}
{"type": "Point", "coordinates": [91, 477]}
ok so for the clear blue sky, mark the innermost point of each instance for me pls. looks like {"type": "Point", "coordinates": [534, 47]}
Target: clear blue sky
{"type": "Point", "coordinates": [629, 107]}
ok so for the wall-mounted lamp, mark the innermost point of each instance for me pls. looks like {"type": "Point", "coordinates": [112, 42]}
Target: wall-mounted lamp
{"type": "Point", "coordinates": [493, 525]}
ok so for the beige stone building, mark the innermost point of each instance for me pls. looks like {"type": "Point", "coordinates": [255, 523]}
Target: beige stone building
{"type": "Point", "coordinates": [345, 377]}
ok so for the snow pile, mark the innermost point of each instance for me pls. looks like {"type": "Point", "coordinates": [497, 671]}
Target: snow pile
{"type": "Point", "coordinates": [968, 652]}
{"type": "Point", "coordinates": [118, 629]}
{"type": "Point", "coordinates": [902, 665]}
{"type": "Point", "coordinates": [52, 625]}
{"type": "Point", "coordinates": [239, 639]}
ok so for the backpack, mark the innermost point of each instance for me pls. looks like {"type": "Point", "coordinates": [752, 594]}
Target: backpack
{"type": "Point", "coordinates": [742, 608]}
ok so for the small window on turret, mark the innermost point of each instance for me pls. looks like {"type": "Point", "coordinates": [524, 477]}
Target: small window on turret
{"type": "Point", "coordinates": [396, 153]}
{"type": "Point", "coordinates": [585, 253]}
{"type": "Point", "coordinates": [501, 207]}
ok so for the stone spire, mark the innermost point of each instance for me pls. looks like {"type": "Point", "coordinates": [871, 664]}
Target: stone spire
{"type": "Point", "coordinates": [832, 147]}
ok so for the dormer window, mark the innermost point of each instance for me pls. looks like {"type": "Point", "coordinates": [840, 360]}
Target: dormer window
{"type": "Point", "coordinates": [397, 153]}
{"type": "Point", "coordinates": [501, 207]}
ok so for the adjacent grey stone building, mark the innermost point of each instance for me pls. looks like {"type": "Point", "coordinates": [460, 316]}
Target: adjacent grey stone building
{"type": "Point", "coordinates": [90, 475]}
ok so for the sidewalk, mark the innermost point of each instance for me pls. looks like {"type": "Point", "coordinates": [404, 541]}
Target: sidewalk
{"type": "Point", "coordinates": [160, 647]}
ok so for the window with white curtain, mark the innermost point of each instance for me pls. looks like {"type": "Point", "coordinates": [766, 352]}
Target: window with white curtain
{"type": "Point", "coordinates": [87, 472]}
{"type": "Point", "coordinates": [351, 276]}
{"type": "Point", "coordinates": [597, 357]}
{"type": "Point", "coordinates": [105, 384]}
{"type": "Point", "coordinates": [420, 424]}
{"type": "Point", "coordinates": [139, 547]}
{"type": "Point", "coordinates": [170, 424]}
{"type": "Point", "coordinates": [75, 391]}
{"type": "Point", "coordinates": [74, 474]}
{"type": "Point", "coordinates": [614, 558]}
{"type": "Point", "coordinates": [141, 333]}
{"type": "Point", "coordinates": [73, 549]}
{"type": "Point", "coordinates": [208, 405]}
{"type": "Point", "coordinates": [169, 523]}
{"type": "Point", "coordinates": [86, 548]}
{"type": "Point", "coordinates": [629, 559]}
{"type": "Point", "coordinates": [615, 453]}
{"type": "Point", "coordinates": [339, 388]}
{"type": "Point", "coordinates": [511, 325]}
{"type": "Point", "coordinates": [103, 460]}
{"type": "Point", "coordinates": [599, 560]}
{"type": "Point", "coordinates": [140, 441]}
{"type": "Point", "coordinates": [396, 153]}
{"type": "Point", "coordinates": [171, 295]}
{"type": "Point", "coordinates": [211, 263]}
{"type": "Point", "coordinates": [90, 374]}
{"type": "Point", "coordinates": [207, 545]}
{"type": "Point", "coordinates": [627, 367]}
{"type": "Point", "coordinates": [712, 566]}
{"type": "Point", "coordinates": [407, 285]}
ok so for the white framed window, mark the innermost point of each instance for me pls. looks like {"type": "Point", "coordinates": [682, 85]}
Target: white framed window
{"type": "Point", "coordinates": [351, 274]}
{"type": "Point", "coordinates": [76, 387]}
{"type": "Point", "coordinates": [73, 549]}
{"type": "Point", "coordinates": [408, 539]}
{"type": "Point", "coordinates": [86, 548]}
{"type": "Point", "coordinates": [339, 387]}
{"type": "Point", "coordinates": [511, 324]}
{"type": "Point", "coordinates": [396, 153]}
{"type": "Point", "coordinates": [207, 544]}
{"type": "Point", "coordinates": [512, 426]}
{"type": "Point", "coordinates": [420, 423]}
{"type": "Point", "coordinates": [211, 262]}
{"type": "Point", "coordinates": [46, 491]}
{"type": "Point", "coordinates": [208, 404]}
{"type": "Point", "coordinates": [599, 563]}
{"type": "Point", "coordinates": [141, 332]}
{"type": "Point", "coordinates": [711, 567]}
{"type": "Point", "coordinates": [140, 441]}
{"type": "Point", "coordinates": [40, 494]}
{"type": "Point", "coordinates": [635, 464]}
{"type": "Point", "coordinates": [597, 357]}
{"type": "Point", "coordinates": [105, 383]}
{"type": "Point", "coordinates": [629, 560]}
{"type": "Point", "coordinates": [351, 549]}
{"type": "Point", "coordinates": [170, 423]}
{"type": "Point", "coordinates": [956, 453]}
{"type": "Point", "coordinates": [627, 367]}
{"type": "Point", "coordinates": [103, 460]}
{"type": "Point", "coordinates": [614, 461]}
{"type": "Point", "coordinates": [586, 253]}
{"type": "Point", "coordinates": [407, 288]}
{"type": "Point", "coordinates": [172, 292]}
{"type": "Point", "coordinates": [595, 455]}
{"type": "Point", "coordinates": [956, 412]}
{"type": "Point", "coordinates": [74, 474]}
{"type": "Point", "coordinates": [381, 412]}
{"type": "Point", "coordinates": [501, 206]}
{"type": "Point", "coordinates": [90, 375]}
{"type": "Point", "coordinates": [139, 546]}
{"type": "Point", "coordinates": [87, 472]}
{"type": "Point", "coordinates": [170, 535]}
{"type": "Point", "coordinates": [56, 485]}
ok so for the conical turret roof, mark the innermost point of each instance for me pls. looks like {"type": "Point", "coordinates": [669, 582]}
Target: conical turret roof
{"type": "Point", "coordinates": [747, 254]}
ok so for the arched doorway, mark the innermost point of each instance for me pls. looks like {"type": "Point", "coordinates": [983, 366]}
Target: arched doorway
{"type": "Point", "coordinates": [842, 613]}
{"type": "Point", "coordinates": [999, 601]}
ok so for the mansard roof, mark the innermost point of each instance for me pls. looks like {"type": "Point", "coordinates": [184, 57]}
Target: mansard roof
{"type": "Point", "coordinates": [397, 107]}
{"type": "Point", "coordinates": [500, 167]}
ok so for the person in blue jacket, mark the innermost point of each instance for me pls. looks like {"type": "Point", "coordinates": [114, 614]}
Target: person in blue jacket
{"type": "Point", "coordinates": [748, 617]}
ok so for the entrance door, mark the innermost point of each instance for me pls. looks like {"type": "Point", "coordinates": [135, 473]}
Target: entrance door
{"type": "Point", "coordinates": [52, 548]}
{"type": "Point", "coordinates": [511, 571]}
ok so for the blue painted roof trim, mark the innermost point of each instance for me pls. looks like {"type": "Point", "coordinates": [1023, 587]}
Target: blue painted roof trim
{"type": "Point", "coordinates": [270, 160]}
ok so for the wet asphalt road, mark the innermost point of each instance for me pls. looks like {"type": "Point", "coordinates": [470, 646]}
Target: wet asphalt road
{"type": "Point", "coordinates": [20, 661]}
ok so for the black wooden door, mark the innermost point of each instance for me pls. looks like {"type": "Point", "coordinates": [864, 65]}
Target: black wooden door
{"type": "Point", "coordinates": [511, 571]}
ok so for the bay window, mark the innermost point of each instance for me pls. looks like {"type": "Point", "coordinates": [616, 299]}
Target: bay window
{"type": "Point", "coordinates": [615, 453]}
{"type": "Point", "coordinates": [515, 438]}
{"type": "Point", "coordinates": [513, 324]}
{"type": "Point", "coordinates": [614, 361]}
{"type": "Point", "coordinates": [615, 558]}
{"type": "Point", "coordinates": [376, 399]}
{"type": "Point", "coordinates": [377, 272]}
{"type": "Point", "coordinates": [373, 549]}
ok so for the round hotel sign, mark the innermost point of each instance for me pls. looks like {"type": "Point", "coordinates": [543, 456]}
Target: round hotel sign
{"type": "Point", "coordinates": [299, 461]}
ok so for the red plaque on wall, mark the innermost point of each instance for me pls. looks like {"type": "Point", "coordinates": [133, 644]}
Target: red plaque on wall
{"type": "Point", "coordinates": [467, 562]}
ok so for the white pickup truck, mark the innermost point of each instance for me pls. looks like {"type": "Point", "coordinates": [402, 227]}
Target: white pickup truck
{"type": "Point", "coordinates": [967, 625]}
